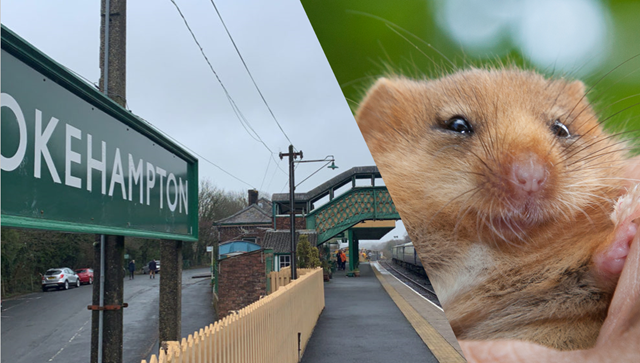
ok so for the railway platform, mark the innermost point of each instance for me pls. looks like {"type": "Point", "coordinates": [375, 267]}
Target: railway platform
{"type": "Point", "coordinates": [373, 318]}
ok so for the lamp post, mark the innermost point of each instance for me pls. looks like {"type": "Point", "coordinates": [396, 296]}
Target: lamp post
{"type": "Point", "coordinates": [292, 187]}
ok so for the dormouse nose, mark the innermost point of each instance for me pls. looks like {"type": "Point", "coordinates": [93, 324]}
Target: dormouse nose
{"type": "Point", "coordinates": [529, 172]}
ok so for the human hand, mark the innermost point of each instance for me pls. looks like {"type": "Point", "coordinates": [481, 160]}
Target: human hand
{"type": "Point", "coordinates": [619, 339]}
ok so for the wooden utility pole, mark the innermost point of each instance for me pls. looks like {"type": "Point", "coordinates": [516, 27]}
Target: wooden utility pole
{"type": "Point", "coordinates": [292, 210]}
{"type": "Point", "coordinates": [116, 49]}
{"type": "Point", "coordinates": [108, 289]}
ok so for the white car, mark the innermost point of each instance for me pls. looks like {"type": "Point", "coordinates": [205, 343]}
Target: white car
{"type": "Point", "coordinates": [60, 278]}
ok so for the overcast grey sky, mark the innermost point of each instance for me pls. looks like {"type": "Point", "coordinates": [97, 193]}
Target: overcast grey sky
{"type": "Point", "coordinates": [170, 84]}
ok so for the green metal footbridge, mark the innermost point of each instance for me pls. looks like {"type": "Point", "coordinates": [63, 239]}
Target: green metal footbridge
{"type": "Point", "coordinates": [362, 211]}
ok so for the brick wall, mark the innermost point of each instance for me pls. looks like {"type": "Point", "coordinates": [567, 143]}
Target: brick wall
{"type": "Point", "coordinates": [241, 281]}
{"type": "Point", "coordinates": [285, 222]}
{"type": "Point", "coordinates": [235, 233]}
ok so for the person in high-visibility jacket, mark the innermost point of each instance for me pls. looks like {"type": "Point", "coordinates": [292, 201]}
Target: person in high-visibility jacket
{"type": "Point", "coordinates": [343, 260]}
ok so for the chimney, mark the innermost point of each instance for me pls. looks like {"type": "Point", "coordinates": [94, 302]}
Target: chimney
{"type": "Point", "coordinates": [253, 196]}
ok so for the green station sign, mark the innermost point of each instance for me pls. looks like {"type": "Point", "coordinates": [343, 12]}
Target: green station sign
{"type": "Point", "coordinates": [73, 160]}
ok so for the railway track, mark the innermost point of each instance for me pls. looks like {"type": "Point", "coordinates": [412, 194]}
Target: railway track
{"type": "Point", "coordinates": [420, 287]}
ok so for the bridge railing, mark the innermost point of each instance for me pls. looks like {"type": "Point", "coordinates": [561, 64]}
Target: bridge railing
{"type": "Point", "coordinates": [274, 329]}
{"type": "Point", "coordinates": [354, 206]}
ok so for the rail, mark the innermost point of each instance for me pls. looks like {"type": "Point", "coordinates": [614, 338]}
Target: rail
{"type": "Point", "coordinates": [273, 329]}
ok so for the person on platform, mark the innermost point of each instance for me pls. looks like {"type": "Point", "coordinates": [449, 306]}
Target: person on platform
{"type": "Point", "coordinates": [343, 260]}
{"type": "Point", "coordinates": [132, 268]}
{"type": "Point", "coordinates": [152, 269]}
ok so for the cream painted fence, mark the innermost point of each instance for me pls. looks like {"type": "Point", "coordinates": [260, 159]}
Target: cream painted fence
{"type": "Point", "coordinates": [273, 329]}
{"type": "Point", "coordinates": [283, 277]}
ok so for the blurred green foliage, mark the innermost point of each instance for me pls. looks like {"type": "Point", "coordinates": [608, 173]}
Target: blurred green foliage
{"type": "Point", "coordinates": [361, 44]}
{"type": "Point", "coordinates": [308, 256]}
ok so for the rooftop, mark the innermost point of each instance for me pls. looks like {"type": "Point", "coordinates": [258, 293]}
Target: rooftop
{"type": "Point", "coordinates": [258, 213]}
{"type": "Point", "coordinates": [280, 240]}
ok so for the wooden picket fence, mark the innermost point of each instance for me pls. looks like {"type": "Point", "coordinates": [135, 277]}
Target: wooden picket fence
{"type": "Point", "coordinates": [283, 277]}
{"type": "Point", "coordinates": [273, 329]}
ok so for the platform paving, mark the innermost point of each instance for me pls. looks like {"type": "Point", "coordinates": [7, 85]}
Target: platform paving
{"type": "Point", "coordinates": [427, 319]}
{"type": "Point", "coordinates": [361, 323]}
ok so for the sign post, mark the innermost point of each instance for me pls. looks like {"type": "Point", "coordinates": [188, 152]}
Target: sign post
{"type": "Point", "coordinates": [73, 160]}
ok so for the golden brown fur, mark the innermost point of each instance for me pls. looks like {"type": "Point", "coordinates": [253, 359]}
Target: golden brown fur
{"type": "Point", "coordinates": [502, 269]}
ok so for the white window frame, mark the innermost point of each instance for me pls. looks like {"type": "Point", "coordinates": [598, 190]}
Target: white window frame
{"type": "Point", "coordinates": [284, 259]}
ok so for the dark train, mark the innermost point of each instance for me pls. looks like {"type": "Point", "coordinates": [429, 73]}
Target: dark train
{"type": "Point", "coordinates": [406, 256]}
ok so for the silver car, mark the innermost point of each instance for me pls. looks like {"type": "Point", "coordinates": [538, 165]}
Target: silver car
{"type": "Point", "coordinates": [60, 278]}
{"type": "Point", "coordinates": [145, 268]}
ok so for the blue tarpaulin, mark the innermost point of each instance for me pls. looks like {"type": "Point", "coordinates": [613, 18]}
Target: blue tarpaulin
{"type": "Point", "coordinates": [235, 247]}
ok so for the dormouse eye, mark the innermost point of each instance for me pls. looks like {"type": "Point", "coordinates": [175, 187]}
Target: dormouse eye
{"type": "Point", "coordinates": [560, 130]}
{"type": "Point", "coordinates": [459, 124]}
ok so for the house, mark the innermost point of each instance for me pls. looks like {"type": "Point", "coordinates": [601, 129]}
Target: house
{"type": "Point", "coordinates": [249, 224]}
{"type": "Point", "coordinates": [256, 223]}
{"type": "Point", "coordinates": [280, 242]}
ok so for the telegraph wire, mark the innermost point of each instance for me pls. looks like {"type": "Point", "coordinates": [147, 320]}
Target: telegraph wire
{"type": "Point", "coordinates": [271, 180]}
{"type": "Point", "coordinates": [194, 152]}
{"type": "Point", "coordinates": [235, 108]}
{"type": "Point", "coordinates": [164, 133]}
{"type": "Point", "coordinates": [229, 98]}
{"type": "Point", "coordinates": [265, 173]}
{"type": "Point", "coordinates": [314, 173]}
{"type": "Point", "coordinates": [249, 72]}
{"type": "Point", "coordinates": [287, 183]}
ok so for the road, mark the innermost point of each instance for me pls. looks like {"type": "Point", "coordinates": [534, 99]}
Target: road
{"type": "Point", "coordinates": [55, 326]}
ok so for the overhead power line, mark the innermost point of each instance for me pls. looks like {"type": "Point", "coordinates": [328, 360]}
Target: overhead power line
{"type": "Point", "coordinates": [167, 135]}
{"type": "Point", "coordinates": [235, 108]}
{"type": "Point", "coordinates": [265, 173]}
{"type": "Point", "coordinates": [249, 72]}
{"type": "Point", "coordinates": [195, 153]}
{"type": "Point", "coordinates": [243, 121]}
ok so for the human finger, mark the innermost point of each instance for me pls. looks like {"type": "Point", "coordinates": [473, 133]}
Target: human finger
{"type": "Point", "coordinates": [515, 351]}
{"type": "Point", "coordinates": [624, 312]}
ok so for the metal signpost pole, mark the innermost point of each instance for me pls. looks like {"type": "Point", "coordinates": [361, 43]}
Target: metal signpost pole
{"type": "Point", "coordinates": [105, 89]}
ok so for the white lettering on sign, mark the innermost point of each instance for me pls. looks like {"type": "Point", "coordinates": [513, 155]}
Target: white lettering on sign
{"type": "Point", "coordinates": [93, 164]}
{"type": "Point", "coordinates": [162, 174]}
{"type": "Point", "coordinates": [184, 192]}
{"type": "Point", "coordinates": [12, 163]}
{"type": "Point", "coordinates": [117, 176]}
{"type": "Point", "coordinates": [71, 157]}
{"type": "Point", "coordinates": [151, 182]}
{"type": "Point", "coordinates": [174, 189]}
{"type": "Point", "coordinates": [135, 176]}
{"type": "Point", "coordinates": [41, 150]}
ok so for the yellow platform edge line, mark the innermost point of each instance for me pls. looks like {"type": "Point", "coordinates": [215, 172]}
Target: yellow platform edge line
{"type": "Point", "coordinates": [441, 349]}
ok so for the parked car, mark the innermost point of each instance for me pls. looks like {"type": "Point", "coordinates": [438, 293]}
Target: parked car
{"type": "Point", "coordinates": [60, 278]}
{"type": "Point", "coordinates": [85, 275]}
{"type": "Point", "coordinates": [145, 268]}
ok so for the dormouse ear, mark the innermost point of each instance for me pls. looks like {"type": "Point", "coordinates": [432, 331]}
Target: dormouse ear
{"type": "Point", "coordinates": [576, 89]}
{"type": "Point", "coordinates": [382, 109]}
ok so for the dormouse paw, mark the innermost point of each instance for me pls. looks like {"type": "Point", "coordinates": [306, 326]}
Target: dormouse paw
{"type": "Point", "coordinates": [625, 216]}
{"type": "Point", "coordinates": [627, 207]}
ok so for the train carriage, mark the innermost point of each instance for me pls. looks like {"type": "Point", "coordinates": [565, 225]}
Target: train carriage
{"type": "Point", "coordinates": [407, 256]}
